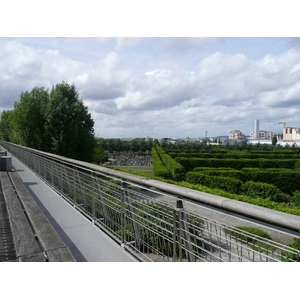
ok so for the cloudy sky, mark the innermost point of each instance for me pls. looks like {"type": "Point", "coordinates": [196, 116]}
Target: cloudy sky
{"type": "Point", "coordinates": [162, 86]}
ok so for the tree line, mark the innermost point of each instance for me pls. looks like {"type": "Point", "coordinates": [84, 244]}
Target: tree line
{"type": "Point", "coordinates": [55, 121]}
{"type": "Point", "coordinates": [118, 145]}
{"type": "Point", "coordinates": [198, 146]}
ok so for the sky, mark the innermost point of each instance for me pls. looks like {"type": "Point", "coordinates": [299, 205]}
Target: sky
{"type": "Point", "coordinates": [161, 83]}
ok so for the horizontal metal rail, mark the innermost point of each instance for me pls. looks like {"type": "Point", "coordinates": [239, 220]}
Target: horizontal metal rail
{"type": "Point", "coordinates": [151, 228]}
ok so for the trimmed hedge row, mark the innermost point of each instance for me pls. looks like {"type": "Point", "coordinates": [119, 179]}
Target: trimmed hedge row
{"type": "Point", "coordinates": [228, 184]}
{"type": "Point", "coordinates": [234, 155]}
{"type": "Point", "coordinates": [159, 169]}
{"type": "Point", "coordinates": [224, 151]}
{"type": "Point", "coordinates": [190, 163]}
{"type": "Point", "coordinates": [235, 186]}
{"type": "Point", "coordinates": [285, 179]}
{"type": "Point", "coordinates": [237, 174]}
{"type": "Point", "coordinates": [175, 169]}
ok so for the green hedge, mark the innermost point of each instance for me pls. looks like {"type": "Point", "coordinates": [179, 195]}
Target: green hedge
{"type": "Point", "coordinates": [237, 174]}
{"type": "Point", "coordinates": [159, 169]}
{"type": "Point", "coordinates": [233, 154]}
{"type": "Point", "coordinates": [228, 184]}
{"type": "Point", "coordinates": [235, 186]}
{"type": "Point", "coordinates": [263, 190]}
{"type": "Point", "coordinates": [174, 168]}
{"type": "Point", "coordinates": [190, 163]}
{"type": "Point", "coordinates": [287, 180]}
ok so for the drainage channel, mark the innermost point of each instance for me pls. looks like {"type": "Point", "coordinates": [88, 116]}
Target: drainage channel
{"type": "Point", "coordinates": [28, 220]}
{"type": "Point", "coordinates": [7, 246]}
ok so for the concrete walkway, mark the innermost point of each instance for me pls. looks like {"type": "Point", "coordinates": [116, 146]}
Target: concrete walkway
{"type": "Point", "coordinates": [85, 240]}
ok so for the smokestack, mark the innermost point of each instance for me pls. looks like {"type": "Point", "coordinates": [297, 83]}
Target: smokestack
{"type": "Point", "coordinates": [256, 129]}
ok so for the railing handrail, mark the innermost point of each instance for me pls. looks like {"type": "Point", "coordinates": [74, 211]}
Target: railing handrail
{"type": "Point", "coordinates": [264, 214]}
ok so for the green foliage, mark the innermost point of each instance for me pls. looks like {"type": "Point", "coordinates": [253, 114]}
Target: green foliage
{"type": "Point", "coordinates": [30, 119]}
{"type": "Point", "coordinates": [7, 131]}
{"type": "Point", "coordinates": [263, 190]}
{"type": "Point", "coordinates": [159, 169]}
{"type": "Point", "coordinates": [228, 184]}
{"type": "Point", "coordinates": [295, 199]}
{"type": "Point", "coordinates": [251, 230]}
{"type": "Point", "coordinates": [296, 245]}
{"type": "Point", "coordinates": [57, 122]}
{"type": "Point", "coordinates": [190, 163]}
{"type": "Point", "coordinates": [237, 174]}
{"type": "Point", "coordinates": [250, 235]}
{"type": "Point", "coordinates": [119, 145]}
{"type": "Point", "coordinates": [69, 124]}
{"type": "Point", "coordinates": [100, 156]}
{"type": "Point", "coordinates": [175, 169]}
{"type": "Point", "coordinates": [286, 179]}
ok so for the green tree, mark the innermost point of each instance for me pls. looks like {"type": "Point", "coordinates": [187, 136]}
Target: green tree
{"type": "Point", "coordinates": [69, 125]}
{"type": "Point", "coordinates": [6, 126]}
{"type": "Point", "coordinates": [29, 119]}
{"type": "Point", "coordinates": [100, 156]}
{"type": "Point", "coordinates": [274, 141]}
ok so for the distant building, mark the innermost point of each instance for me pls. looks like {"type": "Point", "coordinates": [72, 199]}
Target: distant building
{"type": "Point", "coordinates": [148, 139]}
{"type": "Point", "coordinates": [262, 134]}
{"type": "Point", "coordinates": [291, 133]}
{"type": "Point", "coordinates": [278, 135]}
{"type": "Point", "coordinates": [236, 135]}
{"type": "Point", "coordinates": [170, 140]}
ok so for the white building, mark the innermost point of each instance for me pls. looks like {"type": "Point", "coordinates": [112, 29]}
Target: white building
{"type": "Point", "coordinates": [263, 134]}
{"type": "Point", "coordinates": [291, 133]}
{"type": "Point", "coordinates": [236, 134]}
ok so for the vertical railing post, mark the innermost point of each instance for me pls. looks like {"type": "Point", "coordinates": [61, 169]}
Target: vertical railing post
{"type": "Point", "coordinates": [123, 216]}
{"type": "Point", "coordinates": [184, 234]}
{"type": "Point", "coordinates": [74, 187]}
{"type": "Point", "coordinates": [174, 233]}
{"type": "Point", "coordinates": [93, 198]}
{"type": "Point", "coordinates": [179, 206]}
{"type": "Point", "coordinates": [61, 178]}
{"type": "Point", "coordinates": [51, 172]}
{"type": "Point", "coordinates": [132, 217]}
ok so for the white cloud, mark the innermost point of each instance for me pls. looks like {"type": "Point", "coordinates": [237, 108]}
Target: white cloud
{"type": "Point", "coordinates": [133, 91]}
{"type": "Point", "coordinates": [23, 68]}
{"type": "Point", "coordinates": [182, 44]}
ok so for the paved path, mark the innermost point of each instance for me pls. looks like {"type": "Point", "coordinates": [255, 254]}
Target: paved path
{"type": "Point", "coordinates": [85, 240]}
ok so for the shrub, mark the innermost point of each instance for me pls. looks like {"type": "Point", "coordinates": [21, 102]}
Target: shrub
{"type": "Point", "coordinates": [190, 163]}
{"type": "Point", "coordinates": [176, 170]}
{"type": "Point", "coordinates": [226, 173]}
{"type": "Point", "coordinates": [295, 199]}
{"type": "Point", "coordinates": [262, 190]}
{"type": "Point", "coordinates": [228, 184]}
{"type": "Point", "coordinates": [295, 245]}
{"type": "Point", "coordinates": [259, 245]}
{"type": "Point", "coordinates": [159, 169]}
{"type": "Point", "coordinates": [251, 230]}
{"type": "Point", "coordinates": [288, 180]}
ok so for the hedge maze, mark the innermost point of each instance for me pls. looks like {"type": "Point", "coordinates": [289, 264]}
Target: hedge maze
{"type": "Point", "coordinates": [268, 175]}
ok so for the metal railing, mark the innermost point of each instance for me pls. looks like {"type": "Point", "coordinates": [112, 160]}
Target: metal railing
{"type": "Point", "coordinates": [151, 227]}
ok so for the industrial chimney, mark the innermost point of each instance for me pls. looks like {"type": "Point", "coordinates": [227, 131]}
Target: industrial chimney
{"type": "Point", "coordinates": [256, 129]}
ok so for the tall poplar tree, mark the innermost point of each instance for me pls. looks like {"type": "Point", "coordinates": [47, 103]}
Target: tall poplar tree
{"type": "Point", "coordinates": [69, 124]}
{"type": "Point", "coordinates": [29, 119]}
